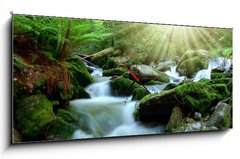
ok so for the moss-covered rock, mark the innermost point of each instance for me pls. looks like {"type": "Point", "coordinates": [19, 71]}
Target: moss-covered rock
{"type": "Point", "coordinates": [126, 75]}
{"type": "Point", "coordinates": [201, 96]}
{"type": "Point", "coordinates": [163, 77]}
{"type": "Point", "coordinates": [175, 119]}
{"type": "Point", "coordinates": [67, 115]}
{"type": "Point", "coordinates": [191, 62]}
{"type": "Point", "coordinates": [61, 130]}
{"type": "Point", "coordinates": [153, 82]}
{"type": "Point", "coordinates": [170, 86]}
{"type": "Point", "coordinates": [78, 72]}
{"type": "Point", "coordinates": [221, 75]}
{"type": "Point", "coordinates": [34, 117]}
{"type": "Point", "coordinates": [120, 86]}
{"type": "Point", "coordinates": [139, 93]}
{"type": "Point", "coordinates": [197, 96]}
{"type": "Point", "coordinates": [66, 124]}
{"type": "Point", "coordinates": [113, 72]}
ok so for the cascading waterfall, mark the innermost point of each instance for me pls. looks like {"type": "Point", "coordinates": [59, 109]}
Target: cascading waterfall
{"type": "Point", "coordinates": [105, 115]}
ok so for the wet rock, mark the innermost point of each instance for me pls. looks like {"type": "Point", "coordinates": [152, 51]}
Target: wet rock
{"type": "Point", "coordinates": [221, 117]}
{"type": "Point", "coordinates": [170, 86]}
{"type": "Point", "coordinates": [146, 73]}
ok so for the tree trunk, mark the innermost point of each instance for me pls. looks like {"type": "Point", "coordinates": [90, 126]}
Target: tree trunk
{"type": "Point", "coordinates": [64, 51]}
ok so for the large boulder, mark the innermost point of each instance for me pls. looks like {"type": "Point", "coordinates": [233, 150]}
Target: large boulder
{"type": "Point", "coordinates": [146, 73]}
{"type": "Point", "coordinates": [121, 86]}
{"type": "Point", "coordinates": [34, 117]}
{"type": "Point", "coordinates": [199, 96]}
{"type": "Point", "coordinates": [191, 62]}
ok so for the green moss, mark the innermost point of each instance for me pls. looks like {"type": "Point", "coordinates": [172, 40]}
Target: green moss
{"type": "Point", "coordinates": [191, 66]}
{"type": "Point", "coordinates": [61, 130]}
{"type": "Point", "coordinates": [113, 72]}
{"type": "Point", "coordinates": [66, 115]}
{"type": "Point", "coordinates": [163, 77]}
{"type": "Point", "coordinates": [153, 82]}
{"type": "Point", "coordinates": [110, 64]}
{"type": "Point", "coordinates": [126, 75]}
{"type": "Point", "coordinates": [200, 96]}
{"type": "Point", "coordinates": [34, 116]}
{"type": "Point", "coordinates": [79, 72]}
{"type": "Point", "coordinates": [139, 93]}
{"type": "Point", "coordinates": [170, 86]}
{"type": "Point", "coordinates": [120, 86]}
{"type": "Point", "coordinates": [221, 75]}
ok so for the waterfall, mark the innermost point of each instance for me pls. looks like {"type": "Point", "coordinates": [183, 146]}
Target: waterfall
{"type": "Point", "coordinates": [105, 115]}
{"type": "Point", "coordinates": [174, 75]}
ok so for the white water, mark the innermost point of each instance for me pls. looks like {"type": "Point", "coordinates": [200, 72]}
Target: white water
{"type": "Point", "coordinates": [104, 115]}
{"type": "Point", "coordinates": [220, 62]}
{"type": "Point", "coordinates": [212, 64]}
{"type": "Point", "coordinates": [174, 75]}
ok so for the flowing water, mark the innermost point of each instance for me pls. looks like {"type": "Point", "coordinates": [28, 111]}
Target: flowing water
{"type": "Point", "coordinates": [105, 115]}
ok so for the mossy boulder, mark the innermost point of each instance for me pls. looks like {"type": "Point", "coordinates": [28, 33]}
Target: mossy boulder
{"type": "Point", "coordinates": [34, 117]}
{"type": "Point", "coordinates": [197, 96]}
{"type": "Point", "coordinates": [191, 62]}
{"type": "Point", "coordinates": [139, 93]}
{"type": "Point", "coordinates": [175, 119]}
{"type": "Point", "coordinates": [114, 71]}
{"type": "Point", "coordinates": [65, 125]}
{"type": "Point", "coordinates": [61, 130]}
{"type": "Point", "coordinates": [121, 86]}
{"type": "Point", "coordinates": [78, 72]}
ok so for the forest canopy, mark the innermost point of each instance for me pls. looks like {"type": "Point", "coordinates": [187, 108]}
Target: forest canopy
{"type": "Point", "coordinates": [150, 41]}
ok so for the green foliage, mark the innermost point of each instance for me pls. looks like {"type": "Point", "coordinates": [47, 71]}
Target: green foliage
{"type": "Point", "coordinates": [139, 93]}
